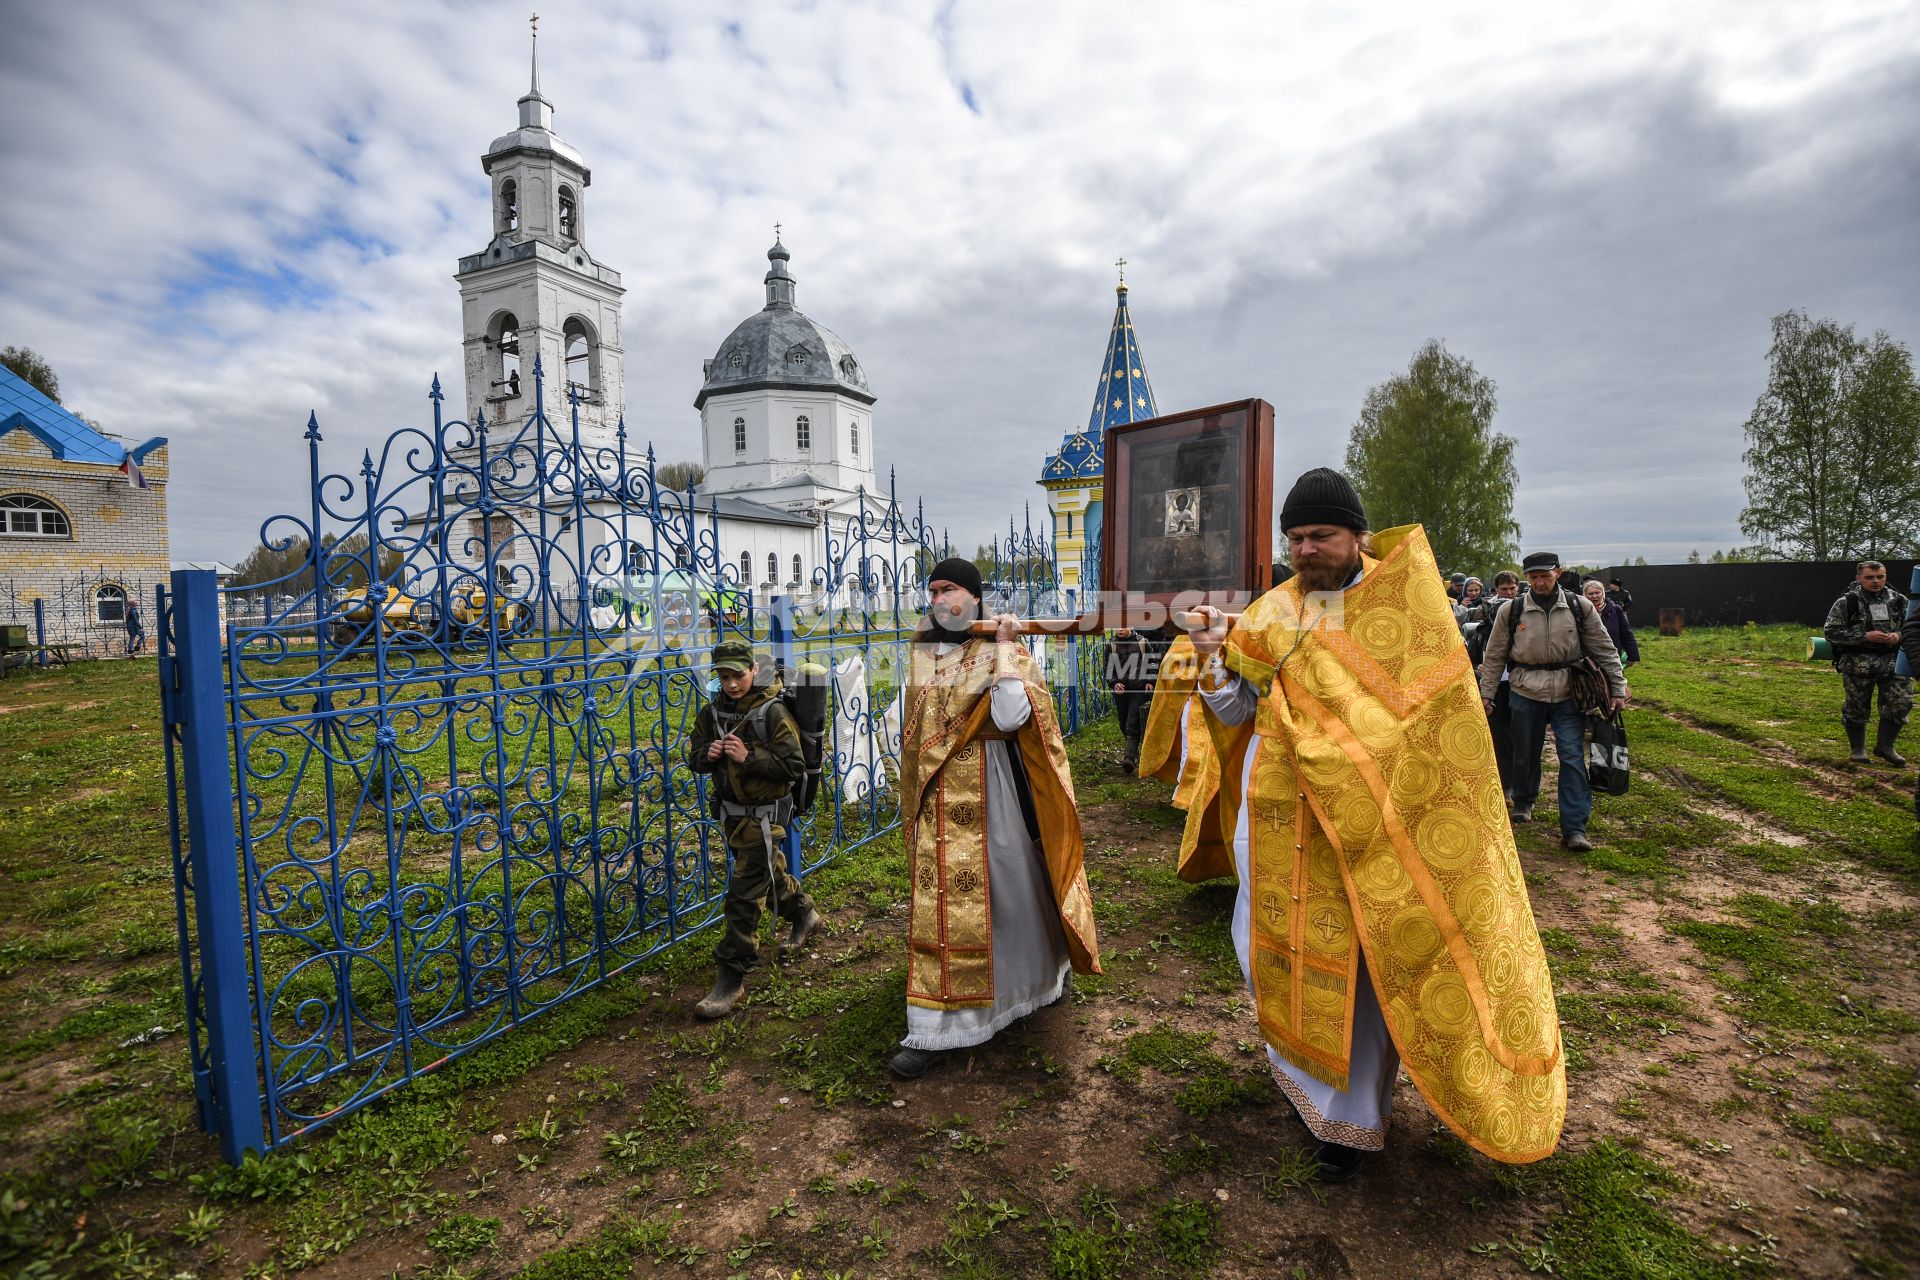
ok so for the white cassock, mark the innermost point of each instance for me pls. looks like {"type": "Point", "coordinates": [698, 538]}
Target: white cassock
{"type": "Point", "coordinates": [1030, 958]}
{"type": "Point", "coordinates": [856, 752]}
{"type": "Point", "coordinates": [1356, 1116]}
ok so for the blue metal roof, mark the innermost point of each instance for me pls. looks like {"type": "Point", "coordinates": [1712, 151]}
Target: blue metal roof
{"type": "Point", "coordinates": [1122, 395]}
{"type": "Point", "coordinates": [71, 440]}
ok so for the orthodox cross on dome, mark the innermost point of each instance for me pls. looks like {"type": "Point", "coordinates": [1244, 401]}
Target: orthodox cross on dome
{"type": "Point", "coordinates": [776, 233]}
{"type": "Point", "coordinates": [534, 22]}
{"type": "Point", "coordinates": [1122, 264]}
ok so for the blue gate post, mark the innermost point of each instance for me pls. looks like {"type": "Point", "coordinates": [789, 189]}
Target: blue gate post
{"type": "Point", "coordinates": [40, 627]}
{"type": "Point", "coordinates": [212, 852]}
{"type": "Point", "coordinates": [1073, 669]}
{"type": "Point", "coordinates": [780, 641]}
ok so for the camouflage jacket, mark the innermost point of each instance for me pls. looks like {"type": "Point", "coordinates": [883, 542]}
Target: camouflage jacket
{"type": "Point", "coordinates": [770, 769]}
{"type": "Point", "coordinates": [1852, 616]}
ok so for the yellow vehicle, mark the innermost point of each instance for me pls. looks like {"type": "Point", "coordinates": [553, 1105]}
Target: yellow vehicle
{"type": "Point", "coordinates": [416, 620]}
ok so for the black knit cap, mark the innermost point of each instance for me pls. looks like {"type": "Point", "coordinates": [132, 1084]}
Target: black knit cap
{"type": "Point", "coordinates": [961, 573]}
{"type": "Point", "coordinates": [1541, 560]}
{"type": "Point", "coordinates": [1322, 496]}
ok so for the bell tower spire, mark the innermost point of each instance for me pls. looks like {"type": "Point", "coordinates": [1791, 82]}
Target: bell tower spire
{"type": "Point", "coordinates": [535, 290]}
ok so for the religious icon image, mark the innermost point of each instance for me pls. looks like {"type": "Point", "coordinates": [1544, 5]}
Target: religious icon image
{"type": "Point", "coordinates": [1183, 512]}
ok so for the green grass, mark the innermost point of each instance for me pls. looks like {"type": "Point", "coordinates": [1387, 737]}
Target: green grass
{"type": "Point", "coordinates": [1611, 1219]}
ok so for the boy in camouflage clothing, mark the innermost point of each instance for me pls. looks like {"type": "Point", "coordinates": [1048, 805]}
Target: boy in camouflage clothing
{"type": "Point", "coordinates": [1864, 629]}
{"type": "Point", "coordinates": [747, 739]}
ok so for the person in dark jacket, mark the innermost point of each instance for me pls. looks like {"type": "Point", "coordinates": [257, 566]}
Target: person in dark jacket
{"type": "Point", "coordinates": [747, 740]}
{"type": "Point", "coordinates": [1614, 619]}
{"type": "Point", "coordinates": [1864, 627]}
{"type": "Point", "coordinates": [1506, 585]}
{"type": "Point", "coordinates": [1132, 666]}
{"type": "Point", "coordinates": [1910, 645]}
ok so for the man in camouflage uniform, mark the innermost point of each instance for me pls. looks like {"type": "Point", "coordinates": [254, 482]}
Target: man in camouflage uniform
{"type": "Point", "coordinates": [1864, 629]}
{"type": "Point", "coordinates": [747, 739]}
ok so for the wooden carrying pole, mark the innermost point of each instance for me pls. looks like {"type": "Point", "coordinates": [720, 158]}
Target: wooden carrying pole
{"type": "Point", "coordinates": [1085, 624]}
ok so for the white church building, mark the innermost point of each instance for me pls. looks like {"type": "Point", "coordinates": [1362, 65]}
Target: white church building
{"type": "Point", "coordinates": [786, 414]}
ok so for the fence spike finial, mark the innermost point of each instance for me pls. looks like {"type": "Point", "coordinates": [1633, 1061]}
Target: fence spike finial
{"type": "Point", "coordinates": [435, 393]}
{"type": "Point", "coordinates": [366, 464]}
{"type": "Point", "coordinates": [313, 426]}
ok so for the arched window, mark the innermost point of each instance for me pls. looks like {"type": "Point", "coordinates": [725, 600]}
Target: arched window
{"type": "Point", "coordinates": [773, 567]}
{"type": "Point", "coordinates": [735, 360]}
{"type": "Point", "coordinates": [23, 515]}
{"type": "Point", "coordinates": [796, 355]}
{"type": "Point", "coordinates": [802, 433]}
{"type": "Point", "coordinates": [506, 341]}
{"type": "Point", "coordinates": [739, 435]}
{"type": "Point", "coordinates": [856, 439]}
{"type": "Point", "coordinates": [746, 568]}
{"type": "Point", "coordinates": [796, 567]}
{"type": "Point", "coordinates": [580, 356]}
{"type": "Point", "coordinates": [110, 604]}
{"type": "Point", "coordinates": [569, 214]}
{"type": "Point", "coordinates": [509, 206]}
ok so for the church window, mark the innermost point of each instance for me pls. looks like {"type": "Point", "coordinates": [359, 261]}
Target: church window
{"type": "Point", "coordinates": [849, 369]}
{"type": "Point", "coordinates": [110, 604]}
{"type": "Point", "coordinates": [856, 439]}
{"type": "Point", "coordinates": [569, 214]}
{"type": "Point", "coordinates": [580, 356]}
{"type": "Point", "coordinates": [509, 206]}
{"type": "Point", "coordinates": [739, 435]}
{"type": "Point", "coordinates": [773, 567]}
{"type": "Point", "coordinates": [802, 433]}
{"type": "Point", "coordinates": [796, 355]}
{"type": "Point", "coordinates": [500, 531]}
{"type": "Point", "coordinates": [735, 360]}
{"type": "Point", "coordinates": [506, 341]}
{"type": "Point", "coordinates": [746, 568]}
{"type": "Point", "coordinates": [796, 568]}
{"type": "Point", "coordinates": [22, 515]}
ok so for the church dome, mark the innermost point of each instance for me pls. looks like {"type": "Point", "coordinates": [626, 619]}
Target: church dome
{"type": "Point", "coordinates": [781, 349]}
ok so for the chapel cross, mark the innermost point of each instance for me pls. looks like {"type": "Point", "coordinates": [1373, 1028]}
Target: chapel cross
{"type": "Point", "coordinates": [1122, 264]}
{"type": "Point", "coordinates": [776, 233]}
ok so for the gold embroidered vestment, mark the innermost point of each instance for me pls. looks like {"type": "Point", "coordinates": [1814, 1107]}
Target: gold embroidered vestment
{"type": "Point", "coordinates": [1376, 823]}
{"type": "Point", "coordinates": [943, 786]}
{"type": "Point", "coordinates": [1205, 853]}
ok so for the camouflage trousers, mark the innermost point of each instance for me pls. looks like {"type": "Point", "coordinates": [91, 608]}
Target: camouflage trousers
{"type": "Point", "coordinates": [748, 884]}
{"type": "Point", "coordinates": [1896, 696]}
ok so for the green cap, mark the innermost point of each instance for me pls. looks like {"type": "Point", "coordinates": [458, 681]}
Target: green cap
{"type": "Point", "coordinates": [733, 655]}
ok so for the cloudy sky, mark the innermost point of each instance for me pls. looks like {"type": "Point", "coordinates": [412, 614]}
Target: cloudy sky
{"type": "Point", "coordinates": [223, 215]}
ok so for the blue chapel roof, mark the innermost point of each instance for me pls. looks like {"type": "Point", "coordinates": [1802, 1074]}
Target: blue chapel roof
{"type": "Point", "coordinates": [1122, 394]}
{"type": "Point", "coordinates": [23, 407]}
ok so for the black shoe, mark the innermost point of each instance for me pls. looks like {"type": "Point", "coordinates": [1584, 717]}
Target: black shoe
{"type": "Point", "coordinates": [1883, 745]}
{"type": "Point", "coordinates": [1338, 1163]}
{"type": "Point", "coordinates": [719, 1002]}
{"type": "Point", "coordinates": [1576, 842]}
{"type": "Point", "coordinates": [1522, 815]}
{"type": "Point", "coordinates": [911, 1064]}
{"type": "Point", "coordinates": [803, 928]}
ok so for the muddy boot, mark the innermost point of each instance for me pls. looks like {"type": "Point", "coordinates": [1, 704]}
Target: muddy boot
{"type": "Point", "coordinates": [1338, 1163]}
{"type": "Point", "coordinates": [802, 929]}
{"type": "Point", "coordinates": [1883, 745]}
{"type": "Point", "coordinates": [727, 988]}
{"type": "Point", "coordinates": [911, 1064]}
{"type": "Point", "coordinates": [1857, 739]}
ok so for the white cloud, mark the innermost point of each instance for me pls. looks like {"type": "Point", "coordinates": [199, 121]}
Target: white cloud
{"type": "Point", "coordinates": [1602, 208]}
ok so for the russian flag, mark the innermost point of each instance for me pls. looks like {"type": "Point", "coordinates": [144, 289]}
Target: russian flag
{"type": "Point", "coordinates": [131, 470]}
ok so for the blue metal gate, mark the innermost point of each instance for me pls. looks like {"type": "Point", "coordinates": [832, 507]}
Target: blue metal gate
{"type": "Point", "coordinates": [427, 784]}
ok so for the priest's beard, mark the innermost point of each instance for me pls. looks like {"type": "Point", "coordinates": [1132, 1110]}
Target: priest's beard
{"type": "Point", "coordinates": [1326, 576]}
{"type": "Point", "coordinates": [942, 625]}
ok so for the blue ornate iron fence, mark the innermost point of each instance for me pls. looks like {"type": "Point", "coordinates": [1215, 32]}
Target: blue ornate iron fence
{"type": "Point", "coordinates": [84, 613]}
{"type": "Point", "coordinates": [429, 784]}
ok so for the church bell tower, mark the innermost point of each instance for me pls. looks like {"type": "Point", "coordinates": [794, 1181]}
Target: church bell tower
{"type": "Point", "coordinates": [535, 290]}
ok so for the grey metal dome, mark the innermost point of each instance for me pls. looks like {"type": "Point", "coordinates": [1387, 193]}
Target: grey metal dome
{"type": "Point", "coordinates": [780, 348]}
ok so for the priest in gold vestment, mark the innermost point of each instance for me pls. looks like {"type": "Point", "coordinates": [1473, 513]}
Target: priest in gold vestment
{"type": "Point", "coordinates": [1382, 917]}
{"type": "Point", "coordinates": [1001, 910]}
{"type": "Point", "coordinates": [1178, 748]}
